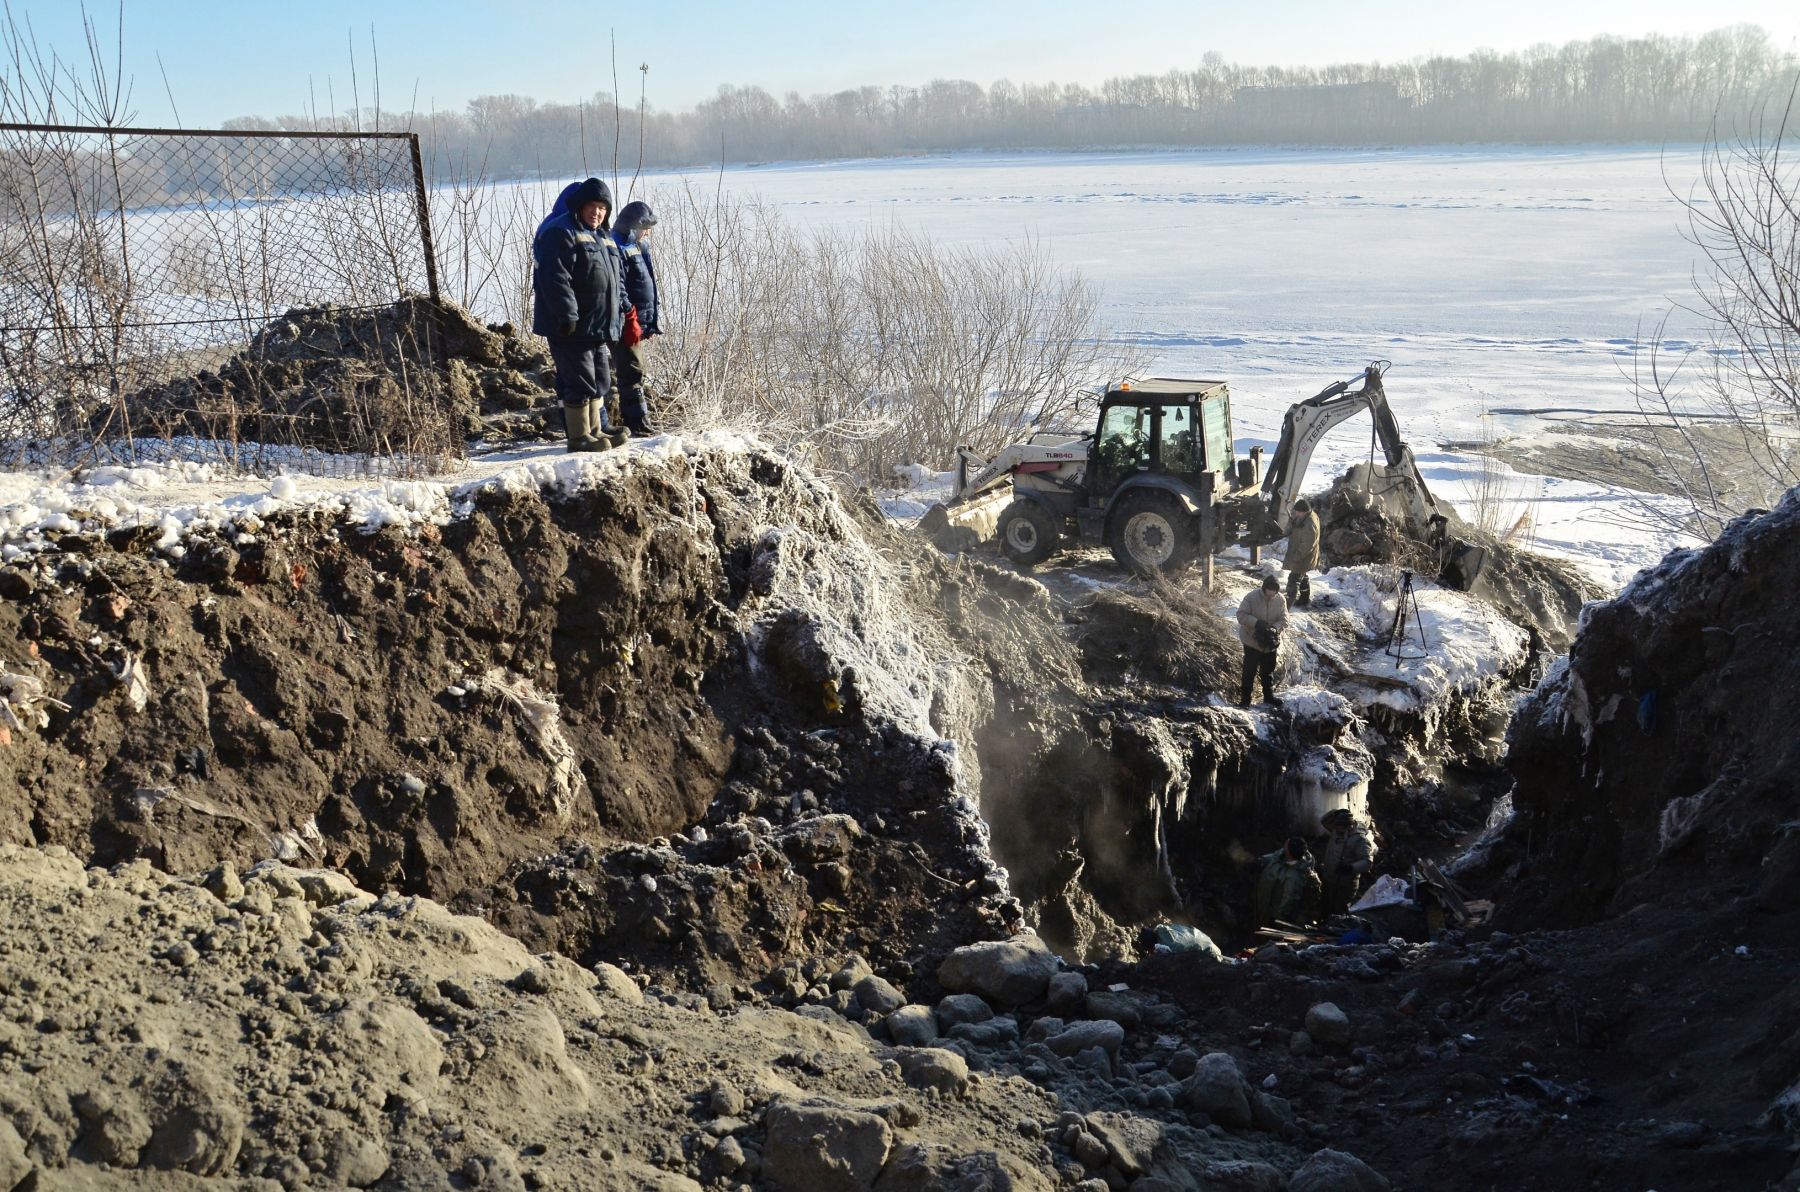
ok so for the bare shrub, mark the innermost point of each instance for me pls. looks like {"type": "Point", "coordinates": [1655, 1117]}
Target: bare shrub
{"type": "Point", "coordinates": [872, 348]}
{"type": "Point", "coordinates": [1722, 421]}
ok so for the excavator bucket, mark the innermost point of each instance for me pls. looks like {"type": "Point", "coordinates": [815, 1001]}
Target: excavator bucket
{"type": "Point", "coordinates": [965, 525]}
{"type": "Point", "coordinates": [1463, 565]}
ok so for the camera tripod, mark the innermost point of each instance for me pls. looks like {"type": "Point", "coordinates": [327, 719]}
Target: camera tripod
{"type": "Point", "coordinates": [1407, 621]}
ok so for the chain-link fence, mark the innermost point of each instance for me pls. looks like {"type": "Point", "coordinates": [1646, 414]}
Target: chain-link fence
{"type": "Point", "coordinates": [264, 300]}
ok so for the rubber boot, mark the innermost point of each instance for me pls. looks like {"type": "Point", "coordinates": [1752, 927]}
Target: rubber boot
{"type": "Point", "coordinates": [575, 424]}
{"type": "Point", "coordinates": [611, 437]}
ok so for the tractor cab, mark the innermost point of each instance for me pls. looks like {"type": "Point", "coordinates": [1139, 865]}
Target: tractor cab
{"type": "Point", "coordinates": [1160, 427]}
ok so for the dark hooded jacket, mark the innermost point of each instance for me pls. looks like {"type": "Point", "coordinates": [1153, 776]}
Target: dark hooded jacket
{"type": "Point", "coordinates": [640, 270]}
{"type": "Point", "coordinates": [561, 206]}
{"type": "Point", "coordinates": [576, 274]}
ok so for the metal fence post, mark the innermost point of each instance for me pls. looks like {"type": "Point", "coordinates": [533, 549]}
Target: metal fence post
{"type": "Point", "coordinates": [424, 203]}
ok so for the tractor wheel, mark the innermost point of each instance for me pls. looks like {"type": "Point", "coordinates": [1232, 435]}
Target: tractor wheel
{"type": "Point", "coordinates": [1027, 533]}
{"type": "Point", "coordinates": [1150, 533]}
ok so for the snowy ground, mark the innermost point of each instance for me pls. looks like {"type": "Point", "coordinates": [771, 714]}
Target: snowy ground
{"type": "Point", "coordinates": [179, 498]}
{"type": "Point", "coordinates": [1507, 285]}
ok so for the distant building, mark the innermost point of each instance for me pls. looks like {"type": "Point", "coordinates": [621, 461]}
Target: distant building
{"type": "Point", "coordinates": [1319, 111]}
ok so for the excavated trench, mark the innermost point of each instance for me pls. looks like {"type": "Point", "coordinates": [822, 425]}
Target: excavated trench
{"type": "Point", "coordinates": [686, 710]}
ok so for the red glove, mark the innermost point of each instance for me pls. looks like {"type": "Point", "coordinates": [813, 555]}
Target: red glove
{"type": "Point", "coordinates": [634, 331]}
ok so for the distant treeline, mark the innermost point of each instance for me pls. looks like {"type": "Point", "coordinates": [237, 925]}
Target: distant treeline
{"type": "Point", "coordinates": [1607, 88]}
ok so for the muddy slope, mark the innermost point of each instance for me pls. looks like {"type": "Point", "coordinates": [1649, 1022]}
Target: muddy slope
{"type": "Point", "coordinates": [625, 711]}
{"type": "Point", "coordinates": [1660, 759]}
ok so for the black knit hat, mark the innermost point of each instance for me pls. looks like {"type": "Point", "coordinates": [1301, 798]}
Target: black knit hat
{"type": "Point", "coordinates": [593, 191]}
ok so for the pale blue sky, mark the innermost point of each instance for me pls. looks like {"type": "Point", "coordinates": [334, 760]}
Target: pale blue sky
{"type": "Point", "coordinates": [253, 57]}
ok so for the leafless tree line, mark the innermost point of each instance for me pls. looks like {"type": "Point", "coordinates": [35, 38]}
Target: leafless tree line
{"type": "Point", "coordinates": [1653, 87]}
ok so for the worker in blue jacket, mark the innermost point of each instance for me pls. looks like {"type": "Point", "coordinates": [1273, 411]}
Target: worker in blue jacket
{"type": "Point", "coordinates": [632, 234]}
{"type": "Point", "coordinates": [580, 307]}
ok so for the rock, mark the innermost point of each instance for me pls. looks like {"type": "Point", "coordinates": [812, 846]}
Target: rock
{"type": "Point", "coordinates": [1094, 1061]}
{"type": "Point", "coordinates": [1010, 972]}
{"type": "Point", "coordinates": [958, 1008]}
{"type": "Point", "coordinates": [935, 1068]}
{"type": "Point", "coordinates": [1217, 1089]}
{"type": "Point", "coordinates": [852, 971]}
{"type": "Point", "coordinates": [224, 883]}
{"type": "Point", "coordinates": [1271, 1113]}
{"type": "Point", "coordinates": [877, 995]}
{"type": "Point", "coordinates": [815, 1146]}
{"type": "Point", "coordinates": [1079, 1036]}
{"type": "Point", "coordinates": [1183, 1063]}
{"type": "Point", "coordinates": [1114, 1007]}
{"type": "Point", "coordinates": [1065, 992]}
{"type": "Point", "coordinates": [117, 1132]}
{"type": "Point", "coordinates": [535, 979]}
{"type": "Point", "coordinates": [1328, 1025]}
{"type": "Point", "coordinates": [325, 887]}
{"type": "Point", "coordinates": [15, 1165]}
{"type": "Point", "coordinates": [1301, 1043]}
{"type": "Point", "coordinates": [725, 1100]}
{"type": "Point", "coordinates": [996, 1032]}
{"type": "Point", "coordinates": [1336, 1171]}
{"type": "Point", "coordinates": [1089, 1151]}
{"type": "Point", "coordinates": [932, 1167]}
{"type": "Point", "coordinates": [728, 1156]}
{"type": "Point", "coordinates": [356, 1161]}
{"type": "Point", "coordinates": [613, 982]}
{"type": "Point", "coordinates": [912, 1026]}
{"type": "Point", "coordinates": [1131, 1142]}
{"type": "Point", "coordinates": [1242, 1175]}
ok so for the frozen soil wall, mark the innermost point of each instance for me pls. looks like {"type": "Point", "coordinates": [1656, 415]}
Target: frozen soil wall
{"type": "Point", "coordinates": [615, 705]}
{"type": "Point", "coordinates": [1662, 756]}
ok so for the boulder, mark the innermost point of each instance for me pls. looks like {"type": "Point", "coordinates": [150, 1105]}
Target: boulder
{"type": "Point", "coordinates": [1079, 1036]}
{"type": "Point", "coordinates": [1328, 1025]}
{"type": "Point", "coordinates": [1217, 1089]}
{"type": "Point", "coordinates": [1010, 972]}
{"type": "Point", "coordinates": [613, 982]}
{"type": "Point", "coordinates": [912, 1026]}
{"type": "Point", "coordinates": [958, 1008]}
{"type": "Point", "coordinates": [1066, 991]}
{"type": "Point", "coordinates": [935, 1068]}
{"type": "Point", "coordinates": [1121, 1008]}
{"type": "Point", "coordinates": [878, 996]}
{"type": "Point", "coordinates": [816, 1146]}
{"type": "Point", "coordinates": [1131, 1142]}
{"type": "Point", "coordinates": [1336, 1171]}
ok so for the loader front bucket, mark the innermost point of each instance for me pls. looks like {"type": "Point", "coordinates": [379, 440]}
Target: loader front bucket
{"type": "Point", "coordinates": [965, 525]}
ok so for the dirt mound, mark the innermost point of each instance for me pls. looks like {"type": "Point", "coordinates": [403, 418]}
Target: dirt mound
{"type": "Point", "coordinates": [355, 379]}
{"type": "Point", "coordinates": [1660, 758]}
{"type": "Point", "coordinates": [692, 652]}
{"type": "Point", "coordinates": [1168, 633]}
{"type": "Point", "coordinates": [285, 1026]}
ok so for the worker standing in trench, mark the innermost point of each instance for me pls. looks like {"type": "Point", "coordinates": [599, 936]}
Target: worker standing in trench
{"type": "Point", "coordinates": [1349, 855]}
{"type": "Point", "coordinates": [1302, 553]}
{"type": "Point", "coordinates": [1261, 618]}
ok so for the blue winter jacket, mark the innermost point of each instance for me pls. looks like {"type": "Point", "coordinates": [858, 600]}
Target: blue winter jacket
{"type": "Point", "coordinates": [640, 270]}
{"type": "Point", "coordinates": [557, 208]}
{"type": "Point", "coordinates": [576, 279]}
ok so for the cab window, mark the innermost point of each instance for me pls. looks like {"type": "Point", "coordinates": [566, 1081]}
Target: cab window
{"type": "Point", "coordinates": [1179, 440]}
{"type": "Point", "coordinates": [1125, 438]}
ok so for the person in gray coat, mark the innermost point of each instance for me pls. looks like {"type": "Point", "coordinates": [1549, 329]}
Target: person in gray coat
{"type": "Point", "coordinates": [1302, 553]}
{"type": "Point", "coordinates": [1261, 618]}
